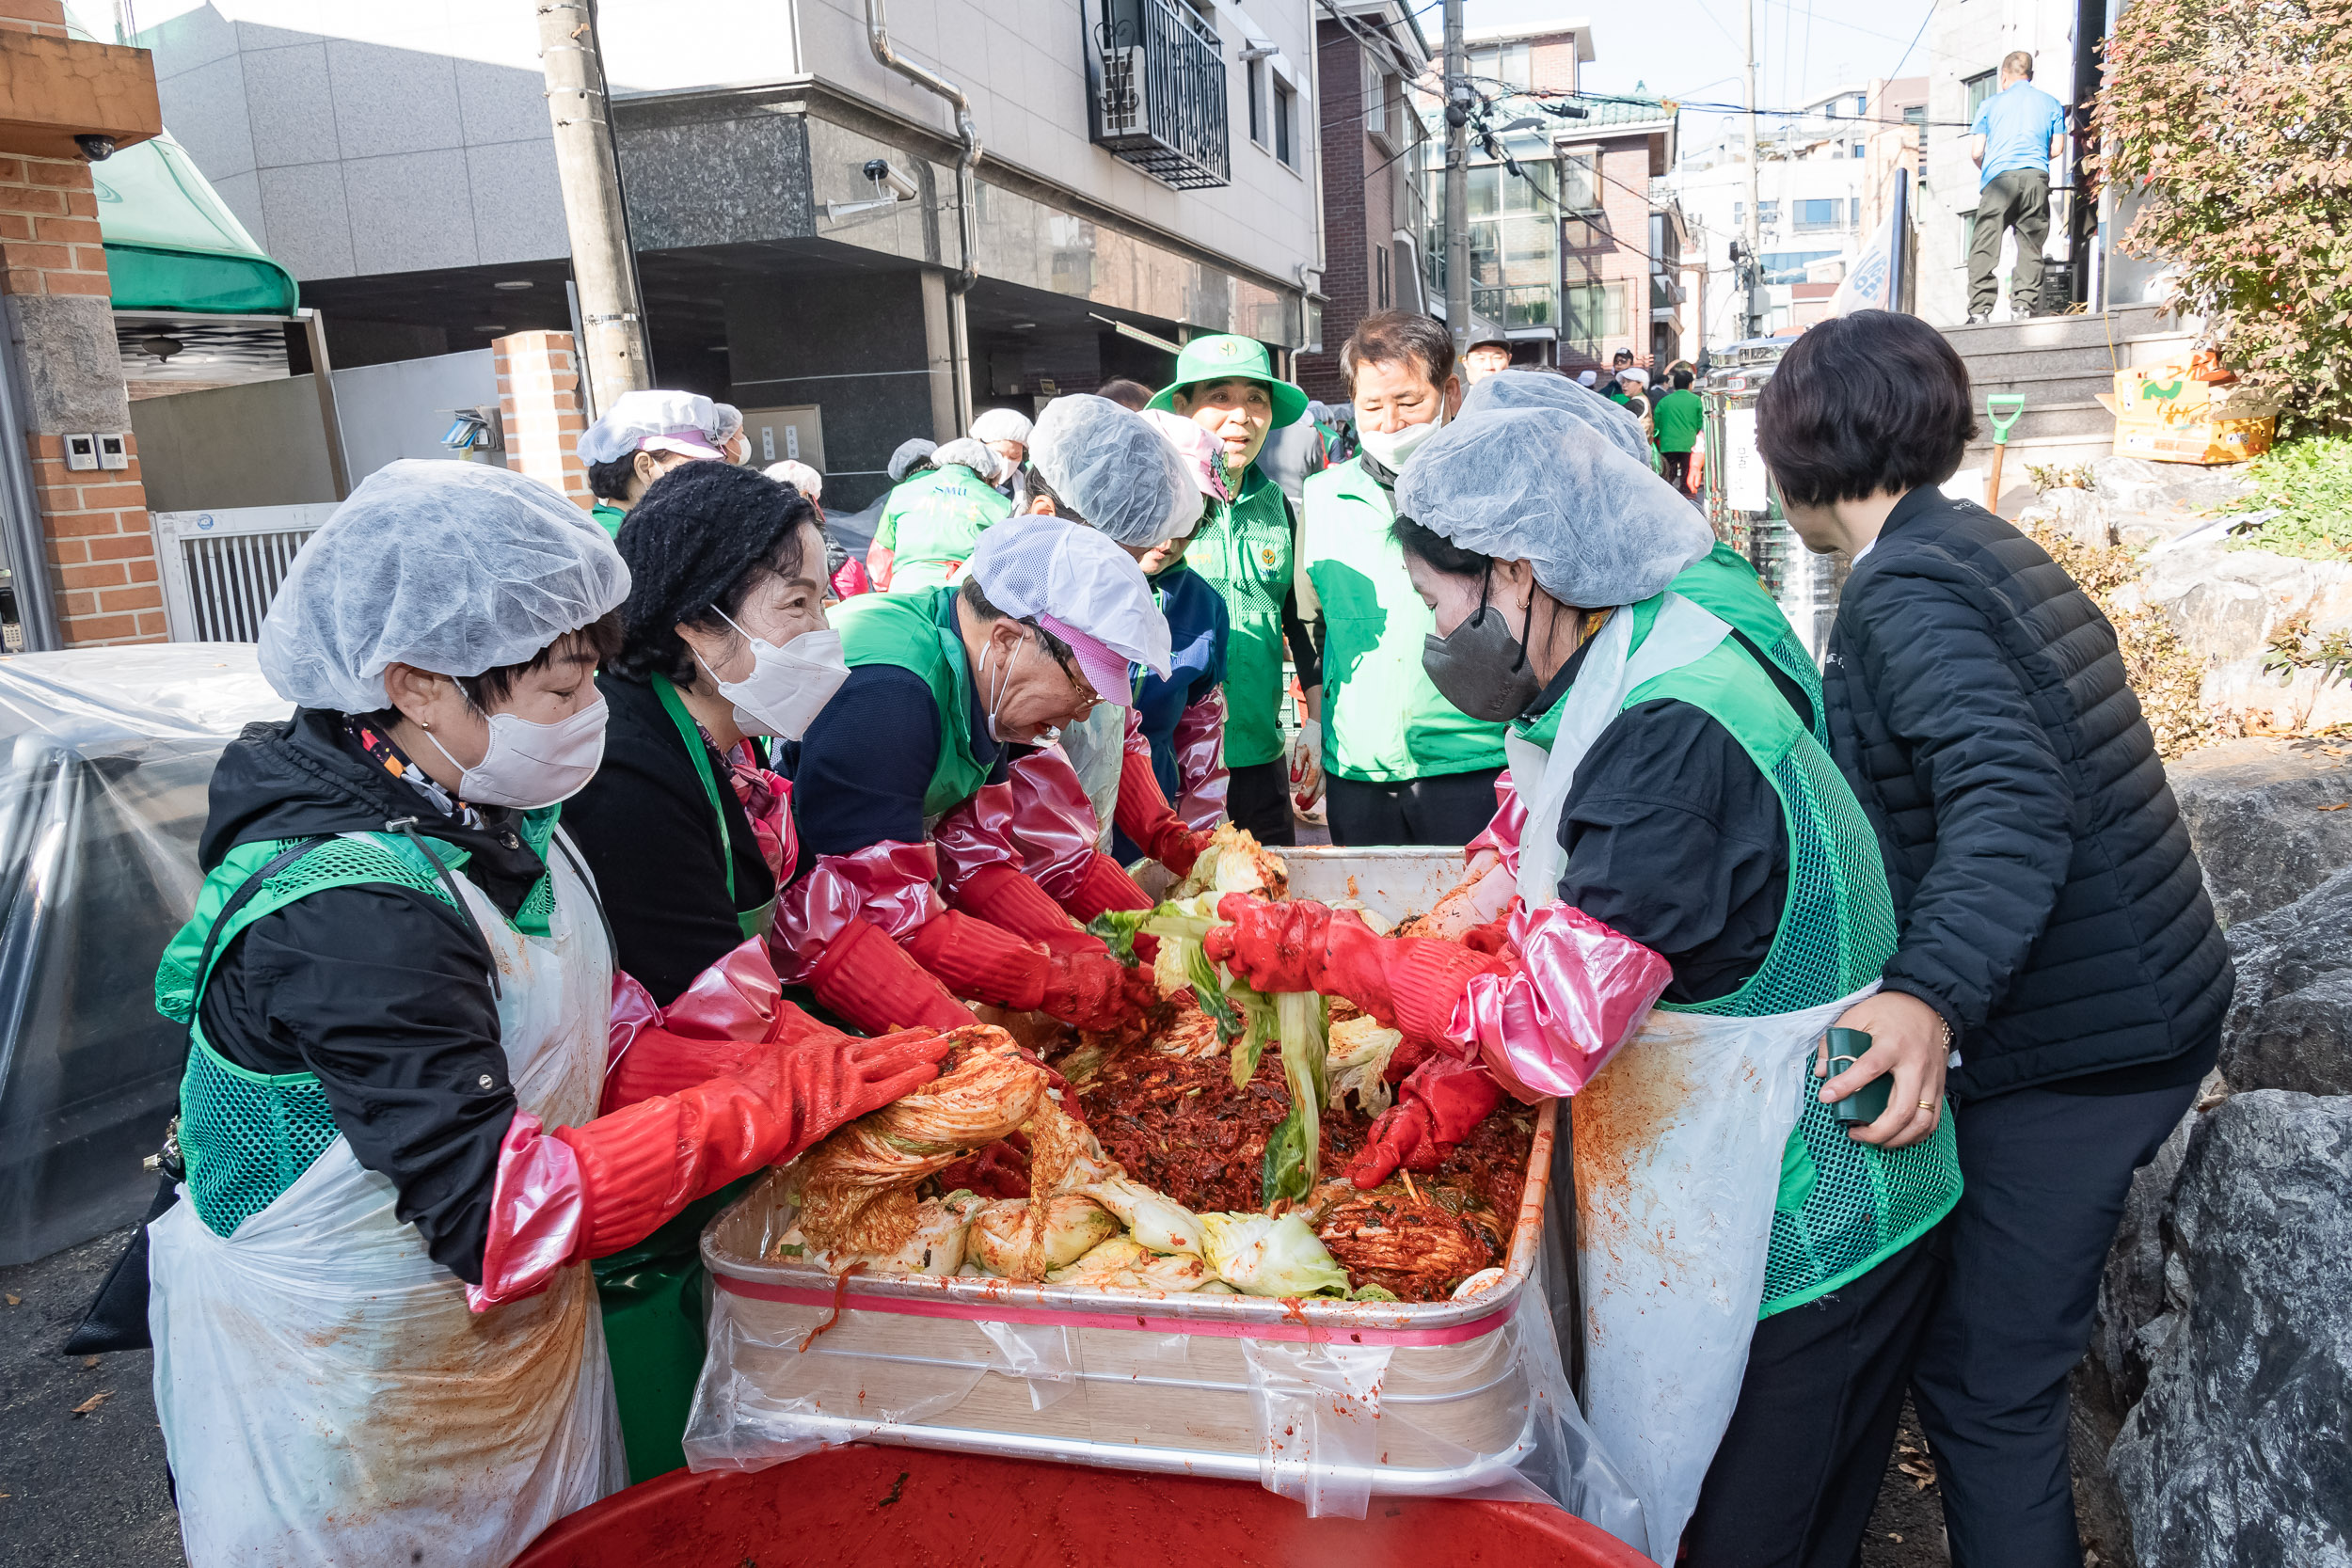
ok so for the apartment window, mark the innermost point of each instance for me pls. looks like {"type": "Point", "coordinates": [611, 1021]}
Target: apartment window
{"type": "Point", "coordinates": [1380, 277]}
{"type": "Point", "coordinates": [1768, 212]}
{"type": "Point", "coordinates": [1285, 122]}
{"type": "Point", "coordinates": [1507, 63]}
{"type": "Point", "coordinates": [1256, 87]}
{"type": "Point", "coordinates": [1579, 183]}
{"type": "Point", "coordinates": [1857, 150]}
{"type": "Point", "coordinates": [1861, 104]}
{"type": "Point", "coordinates": [1914, 114]}
{"type": "Point", "coordinates": [1592, 314]}
{"type": "Point", "coordinates": [1738, 215]}
{"type": "Point", "coordinates": [1821, 213]}
{"type": "Point", "coordinates": [1978, 88]}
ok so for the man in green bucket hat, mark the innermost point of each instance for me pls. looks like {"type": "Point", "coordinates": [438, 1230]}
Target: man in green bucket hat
{"type": "Point", "coordinates": [1225, 385]}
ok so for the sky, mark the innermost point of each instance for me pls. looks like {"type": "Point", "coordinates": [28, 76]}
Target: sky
{"type": "Point", "coordinates": [1690, 49]}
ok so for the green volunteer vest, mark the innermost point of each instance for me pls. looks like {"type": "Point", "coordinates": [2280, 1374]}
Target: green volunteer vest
{"type": "Point", "coordinates": [246, 1136]}
{"type": "Point", "coordinates": [609, 517]}
{"type": "Point", "coordinates": [1383, 721]}
{"type": "Point", "coordinates": [1843, 1207]}
{"type": "Point", "coordinates": [918, 633]}
{"type": "Point", "coordinates": [1723, 582]}
{"type": "Point", "coordinates": [1244, 551]}
{"type": "Point", "coordinates": [933, 521]}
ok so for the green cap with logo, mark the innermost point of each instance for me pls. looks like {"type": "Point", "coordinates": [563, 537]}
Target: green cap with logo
{"type": "Point", "coordinates": [1229, 356]}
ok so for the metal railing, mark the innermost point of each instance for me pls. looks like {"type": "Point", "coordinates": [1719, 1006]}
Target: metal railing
{"type": "Point", "coordinates": [1158, 79]}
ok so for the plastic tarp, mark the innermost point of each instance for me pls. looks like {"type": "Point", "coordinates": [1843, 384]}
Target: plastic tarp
{"type": "Point", "coordinates": [108, 753]}
{"type": "Point", "coordinates": [173, 244]}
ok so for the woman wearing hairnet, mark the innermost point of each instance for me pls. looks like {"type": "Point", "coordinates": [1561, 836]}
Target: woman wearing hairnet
{"type": "Point", "coordinates": [1753, 1272]}
{"type": "Point", "coordinates": [935, 515]}
{"type": "Point", "coordinates": [1119, 474]}
{"type": "Point", "coordinates": [905, 784]}
{"type": "Point", "coordinates": [646, 434]}
{"type": "Point", "coordinates": [1007, 433]}
{"type": "Point", "coordinates": [374, 1342]}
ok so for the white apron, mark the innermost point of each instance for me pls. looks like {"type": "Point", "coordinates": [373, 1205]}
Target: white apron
{"type": "Point", "coordinates": [325, 1397]}
{"type": "Point", "coordinates": [1678, 1142]}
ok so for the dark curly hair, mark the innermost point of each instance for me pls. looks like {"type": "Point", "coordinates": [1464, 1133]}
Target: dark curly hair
{"type": "Point", "coordinates": [702, 536]}
{"type": "Point", "coordinates": [1862, 405]}
{"type": "Point", "coordinates": [610, 482]}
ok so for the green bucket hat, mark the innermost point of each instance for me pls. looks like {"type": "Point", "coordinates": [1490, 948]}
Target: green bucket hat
{"type": "Point", "coordinates": [1227, 356]}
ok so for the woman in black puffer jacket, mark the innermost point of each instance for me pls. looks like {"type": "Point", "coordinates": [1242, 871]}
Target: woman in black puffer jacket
{"type": "Point", "coordinates": [2056, 933]}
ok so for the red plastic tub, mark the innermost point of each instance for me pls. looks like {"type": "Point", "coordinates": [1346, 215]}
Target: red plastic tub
{"type": "Point", "coordinates": [910, 1508]}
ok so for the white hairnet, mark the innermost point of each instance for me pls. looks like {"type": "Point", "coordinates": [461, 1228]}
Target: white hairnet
{"type": "Point", "coordinates": [902, 462]}
{"type": "Point", "coordinates": [1002, 424]}
{"type": "Point", "coordinates": [799, 475]}
{"type": "Point", "coordinates": [1541, 485]}
{"type": "Point", "coordinates": [1115, 470]}
{"type": "Point", "coordinates": [1038, 566]}
{"type": "Point", "coordinates": [452, 567]}
{"type": "Point", "coordinates": [974, 454]}
{"type": "Point", "coordinates": [726, 421]}
{"type": "Point", "coordinates": [666, 421]}
{"type": "Point", "coordinates": [1551, 389]}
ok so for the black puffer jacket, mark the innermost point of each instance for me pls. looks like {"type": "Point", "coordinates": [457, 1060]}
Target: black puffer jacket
{"type": "Point", "coordinates": [2051, 907]}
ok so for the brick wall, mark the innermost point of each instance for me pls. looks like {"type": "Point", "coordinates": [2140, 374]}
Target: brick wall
{"type": "Point", "coordinates": [539, 404]}
{"type": "Point", "coordinates": [1347, 276]}
{"type": "Point", "coordinates": [1551, 63]}
{"type": "Point", "coordinates": [100, 544]}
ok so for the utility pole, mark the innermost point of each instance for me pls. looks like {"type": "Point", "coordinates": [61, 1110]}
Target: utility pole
{"type": "Point", "coordinates": [1752, 319]}
{"type": "Point", "coordinates": [614, 355]}
{"type": "Point", "coordinates": [1458, 282]}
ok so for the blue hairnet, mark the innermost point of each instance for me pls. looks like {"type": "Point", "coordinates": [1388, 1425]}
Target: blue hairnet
{"type": "Point", "coordinates": [1551, 389]}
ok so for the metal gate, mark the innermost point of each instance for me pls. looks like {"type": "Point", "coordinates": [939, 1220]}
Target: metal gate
{"type": "Point", "coordinates": [221, 569]}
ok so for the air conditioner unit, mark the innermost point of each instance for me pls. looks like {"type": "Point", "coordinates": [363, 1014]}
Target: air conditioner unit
{"type": "Point", "coordinates": [219, 569]}
{"type": "Point", "coordinates": [1123, 112]}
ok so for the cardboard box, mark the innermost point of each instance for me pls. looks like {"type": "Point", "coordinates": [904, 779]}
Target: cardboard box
{"type": "Point", "coordinates": [2169, 416]}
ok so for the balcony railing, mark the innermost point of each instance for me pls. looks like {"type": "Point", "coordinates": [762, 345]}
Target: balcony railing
{"type": "Point", "coordinates": [1517, 305]}
{"type": "Point", "coordinates": [1157, 80]}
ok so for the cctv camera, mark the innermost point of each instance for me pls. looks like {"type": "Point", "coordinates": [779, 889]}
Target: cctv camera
{"type": "Point", "coordinates": [96, 149]}
{"type": "Point", "coordinates": [880, 173]}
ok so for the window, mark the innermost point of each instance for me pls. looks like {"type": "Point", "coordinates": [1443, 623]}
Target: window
{"type": "Point", "coordinates": [1380, 277]}
{"type": "Point", "coordinates": [1914, 114]}
{"type": "Point", "coordinates": [1256, 87]}
{"type": "Point", "coordinates": [1592, 314]}
{"type": "Point", "coordinates": [1980, 89]}
{"type": "Point", "coordinates": [1579, 185]}
{"type": "Point", "coordinates": [1738, 215]}
{"type": "Point", "coordinates": [1787, 266]}
{"type": "Point", "coordinates": [1285, 122]}
{"type": "Point", "coordinates": [1768, 212]}
{"type": "Point", "coordinates": [1821, 213]}
{"type": "Point", "coordinates": [1861, 104]}
{"type": "Point", "coordinates": [1501, 62]}
{"type": "Point", "coordinates": [1857, 150]}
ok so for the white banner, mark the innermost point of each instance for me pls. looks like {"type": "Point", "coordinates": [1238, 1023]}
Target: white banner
{"type": "Point", "coordinates": [1743, 462]}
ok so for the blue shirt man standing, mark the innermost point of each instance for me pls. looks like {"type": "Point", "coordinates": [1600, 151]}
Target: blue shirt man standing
{"type": "Point", "coordinates": [2017, 134]}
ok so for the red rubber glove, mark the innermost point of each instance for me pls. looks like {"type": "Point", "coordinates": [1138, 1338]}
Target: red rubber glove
{"type": "Point", "coordinates": [870, 980]}
{"type": "Point", "coordinates": [1437, 1107]}
{"type": "Point", "coordinates": [1145, 816]}
{"type": "Point", "coordinates": [1105, 886]}
{"type": "Point", "coordinates": [641, 1166]}
{"type": "Point", "coordinates": [974, 958]}
{"type": "Point", "coordinates": [1009, 901]}
{"type": "Point", "coordinates": [1407, 983]}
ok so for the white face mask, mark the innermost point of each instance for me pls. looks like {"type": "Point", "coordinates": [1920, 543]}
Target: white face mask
{"type": "Point", "coordinates": [1391, 450]}
{"type": "Point", "coordinates": [1044, 738]}
{"type": "Point", "coordinates": [788, 687]}
{"type": "Point", "coordinates": [531, 765]}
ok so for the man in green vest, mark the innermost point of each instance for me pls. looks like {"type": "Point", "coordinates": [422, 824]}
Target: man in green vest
{"type": "Point", "coordinates": [1678, 417]}
{"type": "Point", "coordinates": [642, 437]}
{"type": "Point", "coordinates": [931, 521]}
{"type": "Point", "coordinates": [1401, 765]}
{"type": "Point", "coordinates": [1225, 385]}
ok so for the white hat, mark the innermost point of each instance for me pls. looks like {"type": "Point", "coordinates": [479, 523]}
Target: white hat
{"type": "Point", "coordinates": [799, 475]}
{"type": "Point", "coordinates": [1001, 424]}
{"type": "Point", "coordinates": [1588, 378]}
{"type": "Point", "coordinates": [685, 422]}
{"type": "Point", "coordinates": [1639, 377]}
{"type": "Point", "coordinates": [1079, 586]}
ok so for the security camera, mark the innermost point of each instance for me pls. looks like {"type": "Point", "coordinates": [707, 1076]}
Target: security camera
{"type": "Point", "coordinates": [880, 173]}
{"type": "Point", "coordinates": [96, 149]}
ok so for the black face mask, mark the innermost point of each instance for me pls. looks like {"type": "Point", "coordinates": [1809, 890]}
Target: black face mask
{"type": "Point", "coordinates": [1480, 667]}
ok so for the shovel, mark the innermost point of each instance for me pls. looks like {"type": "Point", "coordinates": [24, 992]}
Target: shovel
{"type": "Point", "coordinates": [2004, 409]}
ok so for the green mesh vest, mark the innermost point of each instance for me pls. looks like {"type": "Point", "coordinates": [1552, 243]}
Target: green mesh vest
{"type": "Point", "coordinates": [1843, 1207]}
{"type": "Point", "coordinates": [1722, 581]}
{"type": "Point", "coordinates": [246, 1136]}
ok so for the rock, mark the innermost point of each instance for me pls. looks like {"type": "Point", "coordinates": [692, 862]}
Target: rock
{"type": "Point", "coordinates": [2136, 484]}
{"type": "Point", "coordinates": [2225, 605]}
{"type": "Point", "coordinates": [2256, 813]}
{"type": "Point", "coordinates": [2290, 1023]}
{"type": "Point", "coordinates": [2240, 1451]}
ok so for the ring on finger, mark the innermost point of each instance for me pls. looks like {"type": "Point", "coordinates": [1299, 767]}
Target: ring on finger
{"type": "Point", "coordinates": [1926, 1104]}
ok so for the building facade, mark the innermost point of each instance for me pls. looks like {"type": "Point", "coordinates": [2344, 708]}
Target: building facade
{"type": "Point", "coordinates": [1150, 164]}
{"type": "Point", "coordinates": [1375, 184]}
{"type": "Point", "coordinates": [1623, 236]}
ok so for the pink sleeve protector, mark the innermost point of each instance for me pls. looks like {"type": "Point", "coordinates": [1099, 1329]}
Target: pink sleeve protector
{"type": "Point", "coordinates": [537, 1206]}
{"type": "Point", "coordinates": [767, 799]}
{"type": "Point", "coordinates": [1502, 834]}
{"type": "Point", "coordinates": [1039, 822]}
{"type": "Point", "coordinates": [887, 885]}
{"type": "Point", "coordinates": [1200, 778]}
{"type": "Point", "coordinates": [1579, 992]}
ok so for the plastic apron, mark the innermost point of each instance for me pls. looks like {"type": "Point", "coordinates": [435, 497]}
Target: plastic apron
{"type": "Point", "coordinates": [325, 1396]}
{"type": "Point", "coordinates": [1678, 1143]}
{"type": "Point", "coordinates": [1097, 747]}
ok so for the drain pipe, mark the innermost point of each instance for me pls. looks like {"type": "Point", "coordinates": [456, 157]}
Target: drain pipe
{"type": "Point", "coordinates": [967, 204]}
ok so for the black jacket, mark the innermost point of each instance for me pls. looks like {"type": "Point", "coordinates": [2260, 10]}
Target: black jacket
{"type": "Point", "coordinates": [381, 991]}
{"type": "Point", "coordinates": [645, 828]}
{"type": "Point", "coordinates": [2050, 906]}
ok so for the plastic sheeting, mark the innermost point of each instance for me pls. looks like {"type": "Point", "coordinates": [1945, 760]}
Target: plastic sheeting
{"type": "Point", "coordinates": [110, 752]}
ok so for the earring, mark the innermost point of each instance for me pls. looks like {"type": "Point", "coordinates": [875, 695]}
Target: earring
{"type": "Point", "coordinates": [425, 723]}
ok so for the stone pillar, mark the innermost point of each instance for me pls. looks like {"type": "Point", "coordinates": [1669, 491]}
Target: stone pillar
{"type": "Point", "coordinates": [539, 404]}
{"type": "Point", "coordinates": [68, 374]}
